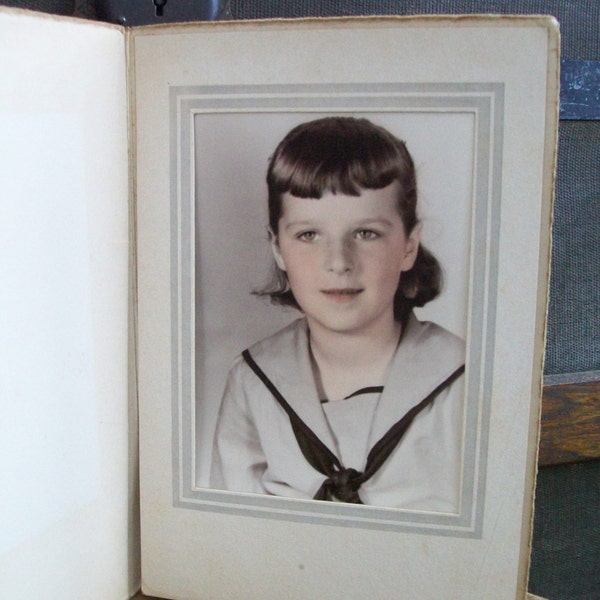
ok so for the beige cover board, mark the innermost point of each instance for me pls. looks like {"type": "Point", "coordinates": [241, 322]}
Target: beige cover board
{"type": "Point", "coordinates": [209, 102]}
{"type": "Point", "coordinates": [68, 457]}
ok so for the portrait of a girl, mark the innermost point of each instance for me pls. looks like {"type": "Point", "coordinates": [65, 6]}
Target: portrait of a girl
{"type": "Point", "coordinates": [357, 400]}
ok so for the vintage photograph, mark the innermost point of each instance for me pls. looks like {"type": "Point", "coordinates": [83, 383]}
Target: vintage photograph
{"type": "Point", "coordinates": [332, 266]}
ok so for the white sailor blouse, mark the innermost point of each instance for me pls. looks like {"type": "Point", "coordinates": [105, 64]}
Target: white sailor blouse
{"type": "Point", "coordinates": [400, 446]}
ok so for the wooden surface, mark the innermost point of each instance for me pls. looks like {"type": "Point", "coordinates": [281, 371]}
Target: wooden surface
{"type": "Point", "coordinates": [570, 429]}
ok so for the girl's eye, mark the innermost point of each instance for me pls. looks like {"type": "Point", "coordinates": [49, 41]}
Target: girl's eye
{"type": "Point", "coordinates": [367, 234]}
{"type": "Point", "coordinates": [307, 236]}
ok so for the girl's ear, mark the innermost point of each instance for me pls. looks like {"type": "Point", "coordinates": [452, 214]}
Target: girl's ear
{"type": "Point", "coordinates": [411, 249]}
{"type": "Point", "coordinates": [276, 251]}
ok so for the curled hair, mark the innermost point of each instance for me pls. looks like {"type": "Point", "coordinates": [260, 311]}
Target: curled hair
{"type": "Point", "coordinates": [345, 155]}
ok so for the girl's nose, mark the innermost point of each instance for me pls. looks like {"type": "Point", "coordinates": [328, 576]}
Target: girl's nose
{"type": "Point", "coordinates": [339, 257]}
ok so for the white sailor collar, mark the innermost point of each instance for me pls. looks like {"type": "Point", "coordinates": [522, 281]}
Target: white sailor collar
{"type": "Point", "coordinates": [426, 356]}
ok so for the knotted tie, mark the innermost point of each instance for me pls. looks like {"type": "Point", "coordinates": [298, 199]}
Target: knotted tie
{"type": "Point", "coordinates": [342, 483]}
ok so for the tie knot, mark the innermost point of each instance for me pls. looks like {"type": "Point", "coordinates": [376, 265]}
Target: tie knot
{"type": "Point", "coordinates": [345, 484]}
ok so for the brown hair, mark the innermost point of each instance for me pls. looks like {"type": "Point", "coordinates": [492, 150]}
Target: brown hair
{"type": "Point", "coordinates": [347, 155]}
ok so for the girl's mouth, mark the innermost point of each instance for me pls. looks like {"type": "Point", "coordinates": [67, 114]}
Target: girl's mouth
{"type": "Point", "coordinates": [342, 294]}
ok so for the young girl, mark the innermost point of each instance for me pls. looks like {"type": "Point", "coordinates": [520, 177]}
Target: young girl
{"type": "Point", "coordinates": [357, 401]}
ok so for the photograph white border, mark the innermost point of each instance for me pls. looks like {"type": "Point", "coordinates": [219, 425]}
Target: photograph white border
{"type": "Point", "coordinates": [485, 101]}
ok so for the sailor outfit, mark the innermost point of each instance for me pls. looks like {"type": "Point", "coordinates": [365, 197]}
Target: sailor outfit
{"type": "Point", "coordinates": [399, 447]}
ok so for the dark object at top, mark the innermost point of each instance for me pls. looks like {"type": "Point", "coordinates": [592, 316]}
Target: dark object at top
{"type": "Point", "coordinates": [155, 12]}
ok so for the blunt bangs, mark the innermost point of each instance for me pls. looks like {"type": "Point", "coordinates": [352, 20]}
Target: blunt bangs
{"type": "Point", "coordinates": [338, 155]}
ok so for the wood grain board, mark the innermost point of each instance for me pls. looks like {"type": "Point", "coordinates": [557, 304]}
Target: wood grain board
{"type": "Point", "coordinates": [570, 427]}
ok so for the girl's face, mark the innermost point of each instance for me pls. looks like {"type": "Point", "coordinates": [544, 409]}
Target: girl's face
{"type": "Point", "coordinates": [343, 256]}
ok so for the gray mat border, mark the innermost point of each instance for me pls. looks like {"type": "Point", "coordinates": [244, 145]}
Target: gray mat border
{"type": "Point", "coordinates": [485, 101]}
